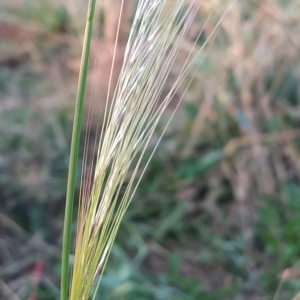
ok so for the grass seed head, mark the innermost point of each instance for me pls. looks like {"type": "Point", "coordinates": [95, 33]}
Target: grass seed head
{"type": "Point", "coordinates": [157, 32]}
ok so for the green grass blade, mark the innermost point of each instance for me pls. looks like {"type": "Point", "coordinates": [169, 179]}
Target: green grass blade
{"type": "Point", "coordinates": [65, 272]}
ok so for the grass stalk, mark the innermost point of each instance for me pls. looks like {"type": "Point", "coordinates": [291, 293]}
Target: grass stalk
{"type": "Point", "coordinates": [71, 185]}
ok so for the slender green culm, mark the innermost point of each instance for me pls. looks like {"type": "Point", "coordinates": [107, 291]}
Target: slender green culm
{"type": "Point", "coordinates": [65, 271]}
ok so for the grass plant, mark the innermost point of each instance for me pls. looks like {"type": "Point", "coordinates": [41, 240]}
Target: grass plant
{"type": "Point", "coordinates": [157, 32]}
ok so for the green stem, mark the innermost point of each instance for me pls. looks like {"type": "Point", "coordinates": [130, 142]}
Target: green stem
{"type": "Point", "coordinates": [65, 270]}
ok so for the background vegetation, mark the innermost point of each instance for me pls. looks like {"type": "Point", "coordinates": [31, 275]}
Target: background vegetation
{"type": "Point", "coordinates": [216, 215]}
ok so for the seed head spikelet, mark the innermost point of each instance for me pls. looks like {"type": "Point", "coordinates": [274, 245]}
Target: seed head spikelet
{"type": "Point", "coordinates": [131, 115]}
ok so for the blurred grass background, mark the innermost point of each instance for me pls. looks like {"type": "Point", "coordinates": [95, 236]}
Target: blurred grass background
{"type": "Point", "coordinates": [217, 213]}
